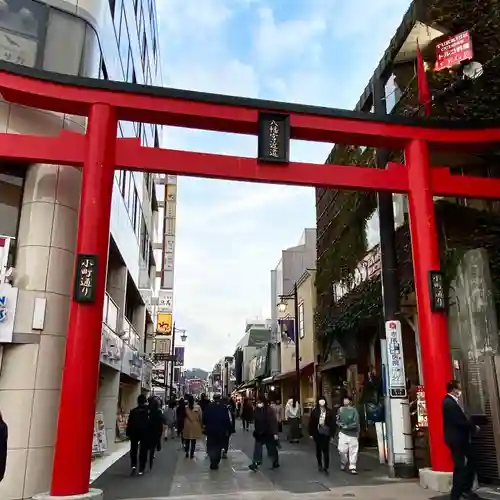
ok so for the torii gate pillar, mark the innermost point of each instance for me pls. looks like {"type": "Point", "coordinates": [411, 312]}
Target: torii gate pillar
{"type": "Point", "coordinates": [432, 326]}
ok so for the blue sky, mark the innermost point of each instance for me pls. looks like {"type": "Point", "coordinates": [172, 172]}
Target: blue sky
{"type": "Point", "coordinates": [230, 235]}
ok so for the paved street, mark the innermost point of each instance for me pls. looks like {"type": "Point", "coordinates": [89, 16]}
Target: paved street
{"type": "Point", "coordinates": [173, 476]}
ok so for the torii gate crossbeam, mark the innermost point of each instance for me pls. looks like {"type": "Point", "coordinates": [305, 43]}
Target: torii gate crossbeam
{"type": "Point", "coordinates": [99, 152]}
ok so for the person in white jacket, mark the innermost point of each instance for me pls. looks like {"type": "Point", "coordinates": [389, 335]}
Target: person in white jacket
{"type": "Point", "coordinates": [292, 417]}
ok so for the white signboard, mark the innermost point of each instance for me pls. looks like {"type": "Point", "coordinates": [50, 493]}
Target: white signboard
{"type": "Point", "coordinates": [396, 368]}
{"type": "Point", "coordinates": [162, 344]}
{"type": "Point", "coordinates": [165, 300]}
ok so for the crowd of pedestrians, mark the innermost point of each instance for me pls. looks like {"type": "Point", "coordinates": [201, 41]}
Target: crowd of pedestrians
{"type": "Point", "coordinates": [215, 421]}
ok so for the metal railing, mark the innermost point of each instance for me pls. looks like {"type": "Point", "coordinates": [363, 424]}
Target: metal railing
{"type": "Point", "coordinates": [110, 313]}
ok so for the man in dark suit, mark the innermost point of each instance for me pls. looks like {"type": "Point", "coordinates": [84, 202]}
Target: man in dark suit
{"type": "Point", "coordinates": [458, 431]}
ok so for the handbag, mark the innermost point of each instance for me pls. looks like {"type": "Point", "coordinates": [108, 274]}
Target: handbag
{"type": "Point", "coordinates": [323, 430]}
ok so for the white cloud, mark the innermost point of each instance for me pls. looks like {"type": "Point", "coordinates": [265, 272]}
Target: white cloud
{"type": "Point", "coordinates": [229, 235]}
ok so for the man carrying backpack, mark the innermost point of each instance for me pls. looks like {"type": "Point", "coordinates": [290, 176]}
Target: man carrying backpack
{"type": "Point", "coordinates": [348, 425]}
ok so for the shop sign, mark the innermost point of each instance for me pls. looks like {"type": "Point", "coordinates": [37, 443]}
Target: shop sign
{"type": "Point", "coordinates": [367, 269]}
{"type": "Point", "coordinates": [165, 300]}
{"type": "Point", "coordinates": [396, 368]}
{"type": "Point", "coordinates": [147, 376]}
{"type": "Point", "coordinates": [100, 441]}
{"type": "Point", "coordinates": [86, 278]}
{"type": "Point", "coordinates": [274, 138]}
{"type": "Point", "coordinates": [453, 51]}
{"type": "Point", "coordinates": [164, 323]}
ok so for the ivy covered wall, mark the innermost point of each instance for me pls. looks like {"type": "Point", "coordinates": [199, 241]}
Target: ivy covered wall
{"type": "Point", "coordinates": [342, 215]}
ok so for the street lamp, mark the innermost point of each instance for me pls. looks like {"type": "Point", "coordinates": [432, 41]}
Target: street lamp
{"type": "Point", "coordinates": [282, 308]}
{"type": "Point", "coordinates": [184, 336]}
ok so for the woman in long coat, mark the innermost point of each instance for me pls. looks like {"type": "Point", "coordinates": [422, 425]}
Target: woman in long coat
{"type": "Point", "coordinates": [193, 427]}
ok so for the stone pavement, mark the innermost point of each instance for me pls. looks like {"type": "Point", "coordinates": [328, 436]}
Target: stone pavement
{"type": "Point", "coordinates": [173, 476]}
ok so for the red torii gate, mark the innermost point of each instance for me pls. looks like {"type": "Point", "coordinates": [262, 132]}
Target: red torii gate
{"type": "Point", "coordinates": [99, 152]}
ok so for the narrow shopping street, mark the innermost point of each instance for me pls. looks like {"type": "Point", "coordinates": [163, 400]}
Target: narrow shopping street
{"type": "Point", "coordinates": [174, 476]}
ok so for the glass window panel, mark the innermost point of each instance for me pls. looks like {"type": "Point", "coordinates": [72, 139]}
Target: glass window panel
{"type": "Point", "coordinates": [11, 191]}
{"type": "Point", "coordinates": [91, 54]}
{"type": "Point", "coordinates": [64, 43]}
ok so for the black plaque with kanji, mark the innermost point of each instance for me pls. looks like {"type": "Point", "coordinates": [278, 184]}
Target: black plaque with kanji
{"type": "Point", "coordinates": [274, 138]}
{"type": "Point", "coordinates": [86, 278]}
{"type": "Point", "coordinates": [437, 291]}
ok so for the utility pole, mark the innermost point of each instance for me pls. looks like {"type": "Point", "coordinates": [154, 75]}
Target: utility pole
{"type": "Point", "coordinates": [297, 340]}
{"type": "Point", "coordinates": [397, 410]}
{"type": "Point", "coordinates": [172, 365]}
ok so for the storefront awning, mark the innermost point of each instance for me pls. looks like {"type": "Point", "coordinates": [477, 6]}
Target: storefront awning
{"type": "Point", "coordinates": [304, 370]}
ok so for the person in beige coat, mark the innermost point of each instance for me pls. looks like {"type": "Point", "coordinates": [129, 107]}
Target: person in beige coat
{"type": "Point", "coordinates": [193, 427]}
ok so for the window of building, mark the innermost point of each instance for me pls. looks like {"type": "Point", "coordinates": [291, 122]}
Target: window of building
{"type": "Point", "coordinates": [144, 52]}
{"type": "Point", "coordinates": [103, 72]}
{"type": "Point", "coordinates": [22, 25]}
{"type": "Point", "coordinates": [112, 6]}
{"type": "Point", "coordinates": [302, 331]}
{"type": "Point", "coordinates": [134, 211]}
{"type": "Point", "coordinates": [124, 45]}
{"type": "Point", "coordinates": [130, 67]}
{"type": "Point", "coordinates": [11, 193]}
{"type": "Point", "coordinates": [64, 43]}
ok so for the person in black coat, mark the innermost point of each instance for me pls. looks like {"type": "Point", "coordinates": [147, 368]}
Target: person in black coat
{"type": "Point", "coordinates": [265, 434]}
{"type": "Point", "coordinates": [138, 431]}
{"type": "Point", "coordinates": [4, 434]}
{"type": "Point", "coordinates": [181, 415]}
{"type": "Point", "coordinates": [156, 422]}
{"type": "Point", "coordinates": [217, 426]}
{"type": "Point", "coordinates": [246, 414]}
{"type": "Point", "coordinates": [458, 430]}
{"type": "Point", "coordinates": [322, 430]}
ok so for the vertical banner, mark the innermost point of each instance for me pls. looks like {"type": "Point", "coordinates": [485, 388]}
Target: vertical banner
{"type": "Point", "coordinates": [179, 356]}
{"type": "Point", "coordinates": [396, 366]}
{"type": "Point", "coordinates": [287, 329]}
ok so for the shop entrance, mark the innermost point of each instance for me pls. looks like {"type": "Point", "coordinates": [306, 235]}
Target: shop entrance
{"type": "Point", "coordinates": [99, 153]}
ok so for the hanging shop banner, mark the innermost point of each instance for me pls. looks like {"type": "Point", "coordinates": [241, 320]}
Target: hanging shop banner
{"type": "Point", "coordinates": [287, 327]}
{"type": "Point", "coordinates": [396, 366]}
{"type": "Point", "coordinates": [179, 356]}
{"type": "Point", "coordinates": [86, 278]}
{"type": "Point", "coordinates": [164, 323]}
{"type": "Point", "coordinates": [421, 408]}
{"type": "Point", "coordinates": [453, 51]}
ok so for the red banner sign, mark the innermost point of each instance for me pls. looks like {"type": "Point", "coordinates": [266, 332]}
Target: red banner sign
{"type": "Point", "coordinates": [453, 51]}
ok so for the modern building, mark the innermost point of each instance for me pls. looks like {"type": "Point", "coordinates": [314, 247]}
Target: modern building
{"type": "Point", "coordinates": [108, 39]}
{"type": "Point", "coordinates": [293, 262]}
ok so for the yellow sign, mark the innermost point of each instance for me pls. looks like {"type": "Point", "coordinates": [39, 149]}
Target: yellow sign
{"type": "Point", "coordinates": [164, 323]}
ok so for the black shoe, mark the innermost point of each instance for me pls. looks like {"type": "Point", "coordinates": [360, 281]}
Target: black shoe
{"type": "Point", "coordinates": [275, 465]}
{"type": "Point", "coordinates": [133, 471]}
{"type": "Point", "coordinates": [224, 455]}
{"type": "Point", "coordinates": [254, 467]}
{"type": "Point", "coordinates": [214, 466]}
{"type": "Point", "coordinates": [325, 471]}
{"type": "Point", "coordinates": [320, 468]}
